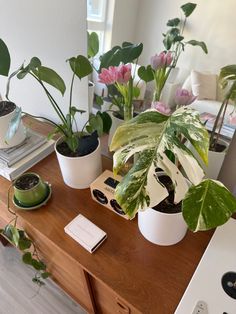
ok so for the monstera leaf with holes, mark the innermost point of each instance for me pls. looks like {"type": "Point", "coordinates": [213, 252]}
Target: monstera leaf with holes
{"type": "Point", "coordinates": [153, 135]}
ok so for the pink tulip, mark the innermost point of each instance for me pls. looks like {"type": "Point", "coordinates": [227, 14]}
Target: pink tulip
{"type": "Point", "coordinates": [183, 97]}
{"type": "Point", "coordinates": [162, 60]}
{"type": "Point", "coordinates": [161, 107]}
{"type": "Point", "coordinates": [124, 73]}
{"type": "Point", "coordinates": [108, 76]}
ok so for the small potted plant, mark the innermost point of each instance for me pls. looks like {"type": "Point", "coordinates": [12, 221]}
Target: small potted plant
{"type": "Point", "coordinates": [159, 141]}
{"type": "Point", "coordinates": [163, 64]}
{"type": "Point", "coordinates": [78, 152]}
{"type": "Point", "coordinates": [8, 110]}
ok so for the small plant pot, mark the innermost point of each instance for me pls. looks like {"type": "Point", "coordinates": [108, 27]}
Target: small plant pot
{"type": "Point", "coordinates": [80, 172]}
{"type": "Point", "coordinates": [5, 118]}
{"type": "Point", "coordinates": [30, 189]}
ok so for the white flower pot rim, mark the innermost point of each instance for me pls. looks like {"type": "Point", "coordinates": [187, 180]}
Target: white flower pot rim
{"type": "Point", "coordinates": [9, 113]}
{"type": "Point", "coordinates": [222, 142]}
{"type": "Point", "coordinates": [81, 157]}
{"type": "Point", "coordinates": [166, 214]}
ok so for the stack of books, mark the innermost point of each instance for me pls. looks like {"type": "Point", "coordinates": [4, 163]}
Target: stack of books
{"type": "Point", "coordinates": [16, 160]}
{"type": "Point", "coordinates": [227, 129]}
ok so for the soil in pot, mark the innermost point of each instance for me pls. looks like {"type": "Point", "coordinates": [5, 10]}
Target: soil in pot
{"type": "Point", "coordinates": [167, 206]}
{"type": "Point", "coordinates": [26, 182]}
{"type": "Point", "coordinates": [217, 147]}
{"type": "Point", "coordinates": [6, 107]}
{"type": "Point", "coordinates": [87, 144]}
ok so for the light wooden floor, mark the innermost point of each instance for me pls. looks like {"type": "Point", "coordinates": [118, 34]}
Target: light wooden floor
{"type": "Point", "coordinates": [18, 295]}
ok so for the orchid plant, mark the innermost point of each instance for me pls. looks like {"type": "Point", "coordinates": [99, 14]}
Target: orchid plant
{"type": "Point", "coordinates": [116, 72]}
{"type": "Point", "coordinates": [154, 135]}
{"type": "Point", "coordinates": [174, 43]}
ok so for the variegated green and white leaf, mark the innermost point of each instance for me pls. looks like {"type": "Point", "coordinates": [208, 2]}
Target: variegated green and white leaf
{"type": "Point", "coordinates": [151, 134]}
{"type": "Point", "coordinates": [208, 205]}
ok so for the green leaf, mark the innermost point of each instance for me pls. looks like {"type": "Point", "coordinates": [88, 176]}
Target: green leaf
{"type": "Point", "coordinates": [188, 8]}
{"type": "Point", "coordinates": [38, 265]}
{"type": "Point", "coordinates": [80, 66]}
{"type": "Point", "coordinates": [208, 205]}
{"type": "Point", "coordinates": [227, 79]}
{"type": "Point", "coordinates": [136, 92]}
{"type": "Point", "coordinates": [111, 57]}
{"type": "Point", "coordinates": [107, 121]}
{"type": "Point", "coordinates": [173, 22]}
{"type": "Point", "coordinates": [34, 63]}
{"type": "Point", "coordinates": [15, 236]}
{"type": "Point", "coordinates": [131, 53]}
{"type": "Point", "coordinates": [99, 100]}
{"type": "Point", "coordinates": [14, 124]}
{"type": "Point", "coordinates": [151, 134]}
{"type": "Point", "coordinates": [24, 243]}
{"type": "Point", "coordinates": [38, 281]}
{"type": "Point", "coordinates": [198, 43]}
{"type": "Point", "coordinates": [5, 59]}
{"type": "Point", "coordinates": [96, 124]}
{"type": "Point", "coordinates": [45, 275]}
{"type": "Point", "coordinates": [93, 44]}
{"type": "Point", "coordinates": [73, 111]}
{"type": "Point", "coordinates": [146, 74]}
{"type": "Point", "coordinates": [73, 142]}
{"type": "Point", "coordinates": [27, 258]}
{"type": "Point", "coordinates": [49, 76]}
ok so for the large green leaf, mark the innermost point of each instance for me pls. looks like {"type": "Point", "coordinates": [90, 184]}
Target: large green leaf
{"type": "Point", "coordinates": [93, 44]}
{"type": "Point", "coordinates": [173, 22]}
{"type": "Point", "coordinates": [49, 76]}
{"type": "Point", "coordinates": [227, 79]}
{"type": "Point", "coordinates": [151, 134]}
{"type": "Point", "coordinates": [5, 59]}
{"type": "Point", "coordinates": [188, 8]}
{"type": "Point", "coordinates": [80, 66]}
{"type": "Point", "coordinates": [208, 205]}
{"type": "Point", "coordinates": [198, 43]}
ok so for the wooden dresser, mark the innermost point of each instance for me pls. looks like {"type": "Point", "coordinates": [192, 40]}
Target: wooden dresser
{"type": "Point", "coordinates": [127, 274]}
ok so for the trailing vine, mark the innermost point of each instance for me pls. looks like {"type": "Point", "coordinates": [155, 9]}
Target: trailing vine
{"type": "Point", "coordinates": [19, 238]}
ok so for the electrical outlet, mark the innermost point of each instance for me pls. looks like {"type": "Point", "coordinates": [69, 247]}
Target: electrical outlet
{"type": "Point", "coordinates": [200, 308]}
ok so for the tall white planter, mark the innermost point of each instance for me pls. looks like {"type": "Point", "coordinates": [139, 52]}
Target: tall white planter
{"type": "Point", "coordinates": [4, 125]}
{"type": "Point", "coordinates": [116, 122]}
{"type": "Point", "coordinates": [161, 228]}
{"type": "Point", "coordinates": [80, 172]}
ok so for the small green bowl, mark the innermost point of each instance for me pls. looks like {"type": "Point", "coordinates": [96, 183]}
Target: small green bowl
{"type": "Point", "coordinates": [30, 189]}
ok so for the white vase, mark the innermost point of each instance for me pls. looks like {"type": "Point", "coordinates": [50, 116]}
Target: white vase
{"type": "Point", "coordinates": [116, 122]}
{"type": "Point", "coordinates": [161, 228]}
{"type": "Point", "coordinates": [4, 125]}
{"type": "Point", "coordinates": [91, 88]}
{"type": "Point", "coordinates": [80, 172]}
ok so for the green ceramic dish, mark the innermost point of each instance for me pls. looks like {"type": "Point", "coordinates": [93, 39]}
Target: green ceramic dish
{"type": "Point", "coordinates": [30, 195]}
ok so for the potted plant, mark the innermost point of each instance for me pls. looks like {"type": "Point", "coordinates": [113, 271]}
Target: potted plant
{"type": "Point", "coordinates": [29, 190]}
{"type": "Point", "coordinates": [8, 110]}
{"type": "Point", "coordinates": [78, 152]}
{"type": "Point", "coordinates": [174, 42]}
{"type": "Point", "coordinates": [158, 140]}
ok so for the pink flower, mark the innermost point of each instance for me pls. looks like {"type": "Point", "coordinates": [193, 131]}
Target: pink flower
{"type": "Point", "coordinates": [183, 97]}
{"type": "Point", "coordinates": [161, 107]}
{"type": "Point", "coordinates": [162, 60]}
{"type": "Point", "coordinates": [124, 73]}
{"type": "Point", "coordinates": [108, 76]}
{"type": "Point", "coordinates": [232, 119]}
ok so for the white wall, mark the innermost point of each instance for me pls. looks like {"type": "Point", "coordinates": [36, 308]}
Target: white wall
{"type": "Point", "coordinates": [53, 31]}
{"type": "Point", "coordinates": [124, 21]}
{"type": "Point", "coordinates": [212, 22]}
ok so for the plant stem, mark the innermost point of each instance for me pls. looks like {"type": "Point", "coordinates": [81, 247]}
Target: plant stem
{"type": "Point", "coordinates": [213, 132]}
{"type": "Point", "coordinates": [70, 103]}
{"type": "Point", "coordinates": [128, 107]}
{"type": "Point", "coordinates": [52, 100]}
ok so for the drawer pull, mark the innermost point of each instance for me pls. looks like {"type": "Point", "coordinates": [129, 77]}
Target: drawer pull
{"type": "Point", "coordinates": [122, 307]}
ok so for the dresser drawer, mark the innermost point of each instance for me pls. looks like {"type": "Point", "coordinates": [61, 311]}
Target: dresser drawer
{"type": "Point", "coordinates": [108, 302]}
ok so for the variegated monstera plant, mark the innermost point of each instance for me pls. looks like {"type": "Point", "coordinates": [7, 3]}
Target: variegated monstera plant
{"type": "Point", "coordinates": [158, 142]}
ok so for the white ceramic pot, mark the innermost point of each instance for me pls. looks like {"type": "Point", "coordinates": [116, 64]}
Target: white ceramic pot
{"type": "Point", "coordinates": [17, 138]}
{"type": "Point", "coordinates": [80, 172]}
{"type": "Point", "coordinates": [160, 228]}
{"type": "Point", "coordinates": [215, 160]}
{"type": "Point", "coordinates": [115, 123]}
{"type": "Point", "coordinates": [91, 88]}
